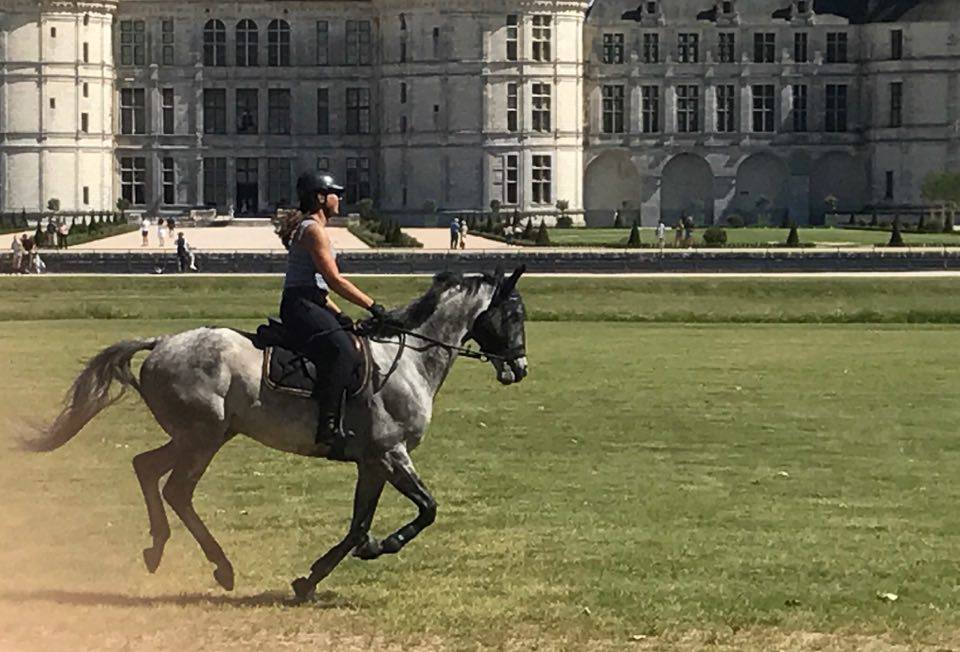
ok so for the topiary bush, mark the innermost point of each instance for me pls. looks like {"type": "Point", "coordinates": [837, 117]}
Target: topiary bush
{"type": "Point", "coordinates": [735, 221]}
{"type": "Point", "coordinates": [896, 238]}
{"type": "Point", "coordinates": [543, 238]}
{"type": "Point", "coordinates": [564, 222]}
{"type": "Point", "coordinates": [715, 236]}
{"type": "Point", "coordinates": [527, 231]}
{"type": "Point", "coordinates": [793, 238]}
{"type": "Point", "coordinates": [634, 239]}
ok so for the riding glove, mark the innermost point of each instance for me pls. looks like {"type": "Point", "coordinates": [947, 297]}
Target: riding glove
{"type": "Point", "coordinates": [344, 320]}
{"type": "Point", "coordinates": [379, 313]}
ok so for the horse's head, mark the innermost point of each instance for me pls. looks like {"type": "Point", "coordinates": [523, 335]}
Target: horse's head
{"type": "Point", "coordinates": [499, 330]}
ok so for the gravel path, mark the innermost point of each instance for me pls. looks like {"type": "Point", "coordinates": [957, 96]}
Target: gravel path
{"type": "Point", "coordinates": [216, 238]}
{"type": "Point", "coordinates": [440, 239]}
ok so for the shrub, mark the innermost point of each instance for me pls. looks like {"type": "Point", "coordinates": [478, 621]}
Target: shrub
{"type": "Point", "coordinates": [873, 222]}
{"type": "Point", "coordinates": [564, 222]}
{"type": "Point", "coordinates": [634, 239]}
{"type": "Point", "coordinates": [53, 205]}
{"type": "Point", "coordinates": [365, 208]}
{"type": "Point", "coordinates": [715, 236]}
{"type": "Point", "coordinates": [896, 239]}
{"type": "Point", "coordinates": [495, 205]}
{"type": "Point", "coordinates": [735, 221]}
{"type": "Point", "coordinates": [543, 238]}
{"type": "Point", "coordinates": [930, 225]}
{"type": "Point", "coordinates": [852, 221]}
{"type": "Point", "coordinates": [793, 239]}
{"type": "Point", "coordinates": [527, 230]}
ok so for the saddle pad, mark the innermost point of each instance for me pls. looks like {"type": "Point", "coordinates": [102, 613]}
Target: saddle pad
{"type": "Point", "coordinates": [288, 372]}
{"type": "Point", "coordinates": [292, 373]}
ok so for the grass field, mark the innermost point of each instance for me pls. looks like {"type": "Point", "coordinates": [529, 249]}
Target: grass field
{"type": "Point", "coordinates": [669, 477]}
{"type": "Point", "coordinates": [752, 237]}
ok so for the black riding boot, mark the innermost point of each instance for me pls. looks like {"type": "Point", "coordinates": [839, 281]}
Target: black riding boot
{"type": "Point", "coordinates": [330, 422]}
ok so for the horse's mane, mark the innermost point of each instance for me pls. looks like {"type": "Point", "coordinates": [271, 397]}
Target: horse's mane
{"type": "Point", "coordinates": [419, 310]}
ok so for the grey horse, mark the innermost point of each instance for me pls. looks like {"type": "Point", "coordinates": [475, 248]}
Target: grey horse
{"type": "Point", "coordinates": [204, 386]}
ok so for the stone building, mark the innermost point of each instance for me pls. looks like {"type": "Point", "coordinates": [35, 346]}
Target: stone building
{"type": "Point", "coordinates": [666, 107]}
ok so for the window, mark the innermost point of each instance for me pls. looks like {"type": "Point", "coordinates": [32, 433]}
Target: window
{"type": "Point", "coordinates": [358, 42]}
{"type": "Point", "coordinates": [168, 180]}
{"type": "Point", "coordinates": [214, 111]}
{"type": "Point", "coordinates": [836, 108]}
{"type": "Point", "coordinates": [764, 47]}
{"type": "Point", "coordinates": [652, 7]}
{"type": "Point", "coordinates": [512, 33]}
{"type": "Point", "coordinates": [53, 32]}
{"type": "Point", "coordinates": [358, 110]}
{"type": "Point", "coordinates": [513, 113]}
{"type": "Point", "coordinates": [323, 164]}
{"type": "Point", "coordinates": [764, 108]}
{"type": "Point", "coordinates": [86, 195]}
{"type": "Point", "coordinates": [403, 124]}
{"type": "Point", "coordinates": [688, 109]}
{"type": "Point", "coordinates": [803, 7]}
{"type": "Point", "coordinates": [728, 47]}
{"type": "Point", "coordinates": [133, 111]}
{"type": "Point", "coordinates": [541, 179]}
{"type": "Point", "coordinates": [278, 110]}
{"type": "Point", "coordinates": [358, 179]}
{"type": "Point", "coordinates": [798, 106]}
{"type": "Point", "coordinates": [166, 111]}
{"type": "Point", "coordinates": [323, 111]}
{"type": "Point", "coordinates": [214, 43]}
{"type": "Point", "coordinates": [247, 184]}
{"type": "Point", "coordinates": [896, 44]}
{"type": "Point", "coordinates": [436, 116]}
{"type": "Point", "coordinates": [726, 108]}
{"type": "Point", "coordinates": [542, 37]}
{"type": "Point", "coordinates": [278, 43]}
{"type": "Point", "coordinates": [436, 42]}
{"type": "Point", "coordinates": [403, 92]}
{"type": "Point", "coordinates": [278, 181]}
{"type": "Point", "coordinates": [650, 108]}
{"type": "Point", "coordinates": [800, 54]}
{"type": "Point", "coordinates": [86, 89]}
{"type": "Point", "coordinates": [323, 43]}
{"type": "Point", "coordinates": [53, 102]}
{"type": "Point", "coordinates": [613, 109]}
{"type": "Point", "coordinates": [688, 48]}
{"type": "Point", "coordinates": [837, 47]}
{"type": "Point", "coordinates": [248, 44]}
{"type": "Point", "coordinates": [541, 107]}
{"type": "Point", "coordinates": [166, 42]}
{"type": "Point", "coordinates": [513, 179]}
{"type": "Point", "coordinates": [613, 48]}
{"type": "Point", "coordinates": [133, 179]}
{"type": "Point", "coordinates": [86, 52]}
{"type": "Point", "coordinates": [85, 122]}
{"type": "Point", "coordinates": [248, 111]}
{"type": "Point", "coordinates": [403, 49]}
{"type": "Point", "coordinates": [215, 181]}
{"type": "Point", "coordinates": [651, 48]}
{"type": "Point", "coordinates": [726, 8]}
{"type": "Point", "coordinates": [896, 104]}
{"type": "Point", "coordinates": [132, 43]}
{"type": "Point", "coordinates": [888, 192]}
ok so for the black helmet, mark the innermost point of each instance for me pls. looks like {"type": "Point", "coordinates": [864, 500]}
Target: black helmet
{"type": "Point", "coordinates": [311, 183]}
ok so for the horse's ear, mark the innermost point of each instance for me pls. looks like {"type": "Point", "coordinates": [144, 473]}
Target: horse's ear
{"type": "Point", "coordinates": [511, 283]}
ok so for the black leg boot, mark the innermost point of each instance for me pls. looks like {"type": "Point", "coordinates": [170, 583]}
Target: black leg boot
{"type": "Point", "coordinates": [330, 424]}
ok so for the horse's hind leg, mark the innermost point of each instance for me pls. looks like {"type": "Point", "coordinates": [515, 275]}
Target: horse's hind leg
{"type": "Point", "coordinates": [190, 465]}
{"type": "Point", "coordinates": [150, 467]}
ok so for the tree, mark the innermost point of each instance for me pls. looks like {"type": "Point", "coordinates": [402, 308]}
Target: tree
{"type": "Point", "coordinates": [365, 208]}
{"type": "Point", "coordinates": [634, 240]}
{"type": "Point", "coordinates": [53, 205]}
{"type": "Point", "coordinates": [122, 205]}
{"type": "Point", "coordinates": [896, 239]}
{"type": "Point", "coordinates": [793, 239]}
{"type": "Point", "coordinates": [527, 230]}
{"type": "Point", "coordinates": [543, 238]}
{"type": "Point", "coordinates": [495, 206]}
{"type": "Point", "coordinates": [832, 202]}
{"type": "Point", "coordinates": [943, 190]}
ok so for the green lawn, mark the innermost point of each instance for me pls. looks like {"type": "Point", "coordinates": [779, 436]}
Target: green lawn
{"type": "Point", "coordinates": [724, 486]}
{"type": "Point", "coordinates": [750, 237]}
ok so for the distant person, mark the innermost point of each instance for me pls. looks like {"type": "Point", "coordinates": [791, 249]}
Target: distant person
{"type": "Point", "coordinates": [51, 233]}
{"type": "Point", "coordinates": [678, 233]}
{"type": "Point", "coordinates": [661, 232]}
{"type": "Point", "coordinates": [29, 245]}
{"type": "Point", "coordinates": [17, 248]}
{"type": "Point", "coordinates": [463, 233]}
{"type": "Point", "coordinates": [161, 233]}
{"type": "Point", "coordinates": [454, 233]}
{"type": "Point", "coordinates": [63, 231]}
{"type": "Point", "coordinates": [185, 257]}
{"type": "Point", "coordinates": [171, 226]}
{"type": "Point", "coordinates": [688, 231]}
{"type": "Point", "coordinates": [145, 231]}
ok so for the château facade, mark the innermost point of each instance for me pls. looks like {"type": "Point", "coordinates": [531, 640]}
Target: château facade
{"type": "Point", "coordinates": [660, 108]}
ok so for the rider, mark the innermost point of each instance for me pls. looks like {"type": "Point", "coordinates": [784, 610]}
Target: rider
{"type": "Point", "coordinates": [316, 325]}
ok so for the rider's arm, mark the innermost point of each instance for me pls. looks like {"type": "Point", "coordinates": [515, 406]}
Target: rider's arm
{"type": "Point", "coordinates": [333, 306]}
{"type": "Point", "coordinates": [317, 243]}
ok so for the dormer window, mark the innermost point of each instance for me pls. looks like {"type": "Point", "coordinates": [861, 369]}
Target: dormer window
{"type": "Point", "coordinates": [802, 7]}
{"type": "Point", "coordinates": [726, 8]}
{"type": "Point", "coordinates": [652, 7]}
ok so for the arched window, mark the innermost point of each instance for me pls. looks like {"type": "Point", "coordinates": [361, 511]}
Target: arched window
{"type": "Point", "coordinates": [214, 43]}
{"type": "Point", "coordinates": [278, 43]}
{"type": "Point", "coordinates": [248, 43]}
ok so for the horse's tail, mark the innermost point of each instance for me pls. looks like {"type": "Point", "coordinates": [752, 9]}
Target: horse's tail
{"type": "Point", "coordinates": [90, 393]}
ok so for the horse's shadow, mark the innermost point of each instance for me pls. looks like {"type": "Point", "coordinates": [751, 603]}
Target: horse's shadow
{"type": "Point", "coordinates": [322, 600]}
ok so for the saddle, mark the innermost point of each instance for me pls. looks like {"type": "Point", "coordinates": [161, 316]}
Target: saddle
{"type": "Point", "coordinates": [290, 372]}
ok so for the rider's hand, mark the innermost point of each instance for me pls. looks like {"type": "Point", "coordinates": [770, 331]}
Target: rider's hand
{"type": "Point", "coordinates": [379, 313]}
{"type": "Point", "coordinates": [344, 320]}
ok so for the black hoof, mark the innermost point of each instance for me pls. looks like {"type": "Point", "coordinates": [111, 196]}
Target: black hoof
{"type": "Point", "coordinates": [392, 544]}
{"type": "Point", "coordinates": [302, 588]}
{"type": "Point", "coordinates": [370, 549]}
{"type": "Point", "coordinates": [224, 576]}
{"type": "Point", "coordinates": [151, 557]}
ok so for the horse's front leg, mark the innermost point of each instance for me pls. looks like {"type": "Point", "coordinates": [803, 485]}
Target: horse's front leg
{"type": "Point", "coordinates": [370, 481]}
{"type": "Point", "coordinates": [402, 475]}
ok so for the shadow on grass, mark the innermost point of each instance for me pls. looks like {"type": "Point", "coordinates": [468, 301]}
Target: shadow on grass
{"type": "Point", "coordinates": [322, 599]}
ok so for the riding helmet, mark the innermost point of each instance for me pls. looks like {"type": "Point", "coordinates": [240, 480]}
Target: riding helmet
{"type": "Point", "coordinates": [311, 183]}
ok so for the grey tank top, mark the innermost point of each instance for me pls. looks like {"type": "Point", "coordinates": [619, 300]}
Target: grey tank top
{"type": "Point", "coordinates": [301, 272]}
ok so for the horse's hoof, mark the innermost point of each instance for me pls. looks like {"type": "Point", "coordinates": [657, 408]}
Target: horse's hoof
{"type": "Point", "coordinates": [302, 588]}
{"type": "Point", "coordinates": [224, 576]}
{"type": "Point", "coordinates": [369, 549]}
{"type": "Point", "coordinates": [392, 544]}
{"type": "Point", "coordinates": [151, 557]}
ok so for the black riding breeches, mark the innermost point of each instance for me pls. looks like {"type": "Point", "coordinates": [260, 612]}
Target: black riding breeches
{"type": "Point", "coordinates": [316, 333]}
